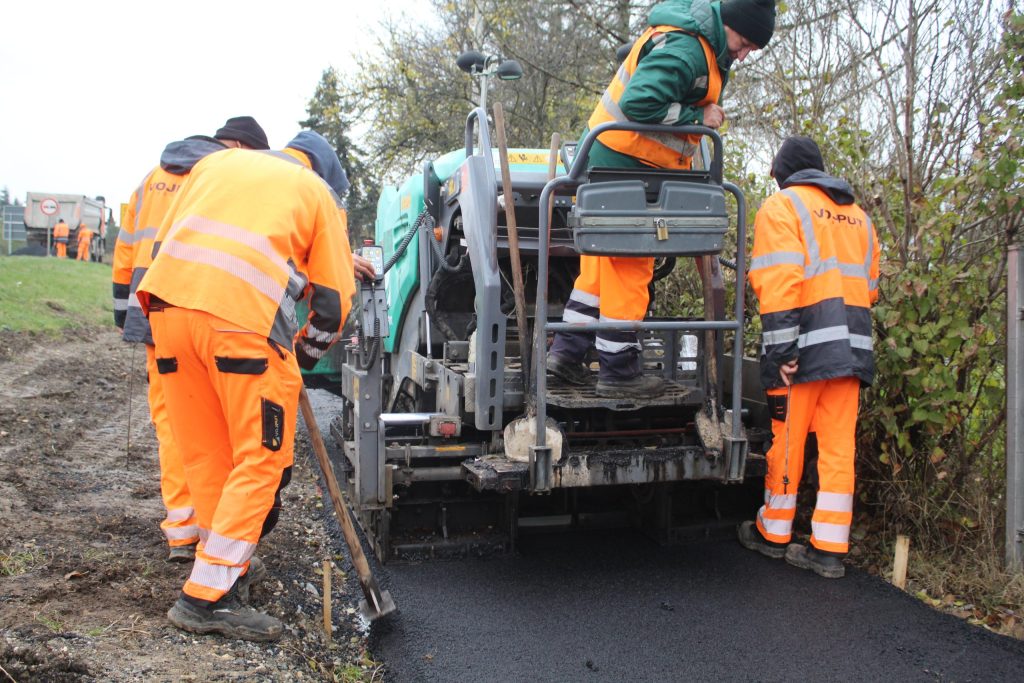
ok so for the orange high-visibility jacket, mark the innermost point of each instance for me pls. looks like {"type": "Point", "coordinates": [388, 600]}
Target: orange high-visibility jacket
{"type": "Point", "coordinates": [61, 232]}
{"type": "Point", "coordinates": [661, 150]}
{"type": "Point", "coordinates": [133, 251]}
{"type": "Point", "coordinates": [84, 234]}
{"type": "Point", "coordinates": [814, 268]}
{"type": "Point", "coordinates": [249, 234]}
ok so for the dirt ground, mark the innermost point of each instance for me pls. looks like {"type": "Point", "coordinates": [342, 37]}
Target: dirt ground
{"type": "Point", "coordinates": [84, 585]}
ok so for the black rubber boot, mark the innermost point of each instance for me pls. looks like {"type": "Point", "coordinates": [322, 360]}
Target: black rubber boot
{"type": "Point", "coordinates": [751, 539]}
{"type": "Point", "coordinates": [828, 565]}
{"type": "Point", "coordinates": [182, 553]}
{"type": "Point", "coordinates": [257, 572]}
{"type": "Point", "coordinates": [642, 386]}
{"type": "Point", "coordinates": [567, 371]}
{"type": "Point", "coordinates": [227, 617]}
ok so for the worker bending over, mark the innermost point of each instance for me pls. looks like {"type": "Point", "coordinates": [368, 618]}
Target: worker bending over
{"type": "Point", "coordinates": [84, 241]}
{"type": "Point", "coordinates": [133, 249]}
{"type": "Point", "coordinates": [674, 74]}
{"type": "Point", "coordinates": [814, 269]}
{"type": "Point", "coordinates": [249, 235]}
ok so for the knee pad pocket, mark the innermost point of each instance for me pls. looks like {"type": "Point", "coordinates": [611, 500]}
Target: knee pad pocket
{"type": "Point", "coordinates": [273, 424]}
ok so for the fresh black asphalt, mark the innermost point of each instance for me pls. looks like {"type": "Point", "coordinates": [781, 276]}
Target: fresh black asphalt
{"type": "Point", "coordinates": [615, 606]}
{"type": "Point", "coordinates": [602, 606]}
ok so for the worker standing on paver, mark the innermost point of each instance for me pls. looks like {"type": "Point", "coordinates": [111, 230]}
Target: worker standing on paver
{"type": "Point", "coordinates": [814, 269]}
{"type": "Point", "coordinates": [674, 75]}
{"type": "Point", "coordinates": [132, 256]}
{"type": "Point", "coordinates": [84, 241]}
{"type": "Point", "coordinates": [61, 231]}
{"type": "Point", "coordinates": [249, 235]}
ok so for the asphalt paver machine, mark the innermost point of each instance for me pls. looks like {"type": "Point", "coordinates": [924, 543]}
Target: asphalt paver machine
{"type": "Point", "coordinates": [452, 442]}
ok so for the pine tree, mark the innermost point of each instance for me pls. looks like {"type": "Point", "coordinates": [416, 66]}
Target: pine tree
{"type": "Point", "coordinates": [326, 117]}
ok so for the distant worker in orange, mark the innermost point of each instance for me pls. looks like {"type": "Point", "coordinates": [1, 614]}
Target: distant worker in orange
{"type": "Point", "coordinates": [814, 269]}
{"type": "Point", "coordinates": [61, 231]}
{"type": "Point", "coordinates": [249, 235]}
{"type": "Point", "coordinates": [132, 255]}
{"type": "Point", "coordinates": [84, 241]}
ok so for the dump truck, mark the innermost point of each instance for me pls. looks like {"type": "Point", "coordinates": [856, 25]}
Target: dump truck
{"type": "Point", "coordinates": [44, 209]}
{"type": "Point", "coordinates": [453, 438]}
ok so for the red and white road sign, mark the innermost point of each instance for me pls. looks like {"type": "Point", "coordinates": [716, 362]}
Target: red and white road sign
{"type": "Point", "coordinates": [49, 206]}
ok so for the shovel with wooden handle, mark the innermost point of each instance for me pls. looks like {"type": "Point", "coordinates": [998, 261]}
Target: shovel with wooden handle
{"type": "Point", "coordinates": [377, 603]}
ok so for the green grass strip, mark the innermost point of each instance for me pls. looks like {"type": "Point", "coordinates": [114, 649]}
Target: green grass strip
{"type": "Point", "coordinates": [50, 294]}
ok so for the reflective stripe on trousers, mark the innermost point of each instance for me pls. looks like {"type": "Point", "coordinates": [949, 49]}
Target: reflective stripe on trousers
{"type": "Point", "coordinates": [608, 288]}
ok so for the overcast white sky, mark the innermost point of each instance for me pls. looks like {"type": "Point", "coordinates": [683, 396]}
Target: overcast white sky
{"type": "Point", "coordinates": [90, 92]}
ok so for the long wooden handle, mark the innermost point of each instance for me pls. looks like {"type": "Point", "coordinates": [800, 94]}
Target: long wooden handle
{"type": "Point", "coordinates": [518, 286]}
{"type": "Point", "coordinates": [340, 509]}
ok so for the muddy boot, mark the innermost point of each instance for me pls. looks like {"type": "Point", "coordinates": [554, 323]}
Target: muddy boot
{"type": "Point", "coordinates": [227, 617]}
{"type": "Point", "coordinates": [641, 386]}
{"type": "Point", "coordinates": [257, 572]}
{"type": "Point", "coordinates": [829, 565]}
{"type": "Point", "coordinates": [182, 553]}
{"type": "Point", "coordinates": [567, 371]}
{"type": "Point", "coordinates": [751, 539]}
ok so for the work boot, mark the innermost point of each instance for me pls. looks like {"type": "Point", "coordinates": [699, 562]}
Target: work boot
{"type": "Point", "coordinates": [829, 565]}
{"type": "Point", "coordinates": [227, 617]}
{"type": "Point", "coordinates": [567, 371]}
{"type": "Point", "coordinates": [751, 539]}
{"type": "Point", "coordinates": [257, 572]}
{"type": "Point", "coordinates": [641, 386]}
{"type": "Point", "coordinates": [182, 553]}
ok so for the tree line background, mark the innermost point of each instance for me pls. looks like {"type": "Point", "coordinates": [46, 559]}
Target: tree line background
{"type": "Point", "coordinates": [916, 102]}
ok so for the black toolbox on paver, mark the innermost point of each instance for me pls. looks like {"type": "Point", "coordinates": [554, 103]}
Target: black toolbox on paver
{"type": "Point", "coordinates": [614, 219]}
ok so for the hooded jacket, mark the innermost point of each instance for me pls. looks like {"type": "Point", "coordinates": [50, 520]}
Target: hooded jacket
{"type": "Point", "coordinates": [146, 209]}
{"type": "Point", "coordinates": [815, 269]}
{"type": "Point", "coordinates": [669, 80]}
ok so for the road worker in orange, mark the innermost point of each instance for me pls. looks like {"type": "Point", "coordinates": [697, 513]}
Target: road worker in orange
{"type": "Point", "coordinates": [84, 241]}
{"type": "Point", "coordinates": [249, 234]}
{"type": "Point", "coordinates": [674, 74]}
{"type": "Point", "coordinates": [132, 255]}
{"type": "Point", "coordinates": [814, 269]}
{"type": "Point", "coordinates": [61, 231]}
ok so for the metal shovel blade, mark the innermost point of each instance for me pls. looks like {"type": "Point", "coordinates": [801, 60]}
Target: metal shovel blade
{"type": "Point", "coordinates": [386, 606]}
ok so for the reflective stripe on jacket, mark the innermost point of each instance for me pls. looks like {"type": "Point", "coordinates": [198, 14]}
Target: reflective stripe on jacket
{"type": "Point", "coordinates": [249, 235]}
{"type": "Point", "coordinates": [814, 269]}
{"type": "Point", "coordinates": [661, 150]}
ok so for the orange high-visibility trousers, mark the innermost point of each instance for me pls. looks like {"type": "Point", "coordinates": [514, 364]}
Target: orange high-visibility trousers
{"type": "Point", "coordinates": [608, 289]}
{"type": "Point", "coordinates": [83, 250]}
{"type": "Point", "coordinates": [232, 401]}
{"type": "Point", "coordinates": [831, 405]}
{"type": "Point", "coordinates": [62, 249]}
{"type": "Point", "coordinates": [180, 524]}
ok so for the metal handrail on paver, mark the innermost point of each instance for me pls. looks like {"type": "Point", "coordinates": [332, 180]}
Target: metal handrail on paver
{"type": "Point", "coordinates": [540, 465]}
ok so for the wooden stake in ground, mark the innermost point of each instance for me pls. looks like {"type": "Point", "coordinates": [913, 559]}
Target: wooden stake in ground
{"type": "Point", "coordinates": [327, 602]}
{"type": "Point", "coordinates": [899, 562]}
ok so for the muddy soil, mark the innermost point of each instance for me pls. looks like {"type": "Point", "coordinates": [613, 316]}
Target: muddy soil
{"type": "Point", "coordinates": [84, 585]}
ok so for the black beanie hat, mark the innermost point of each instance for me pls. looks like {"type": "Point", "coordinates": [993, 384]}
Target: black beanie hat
{"type": "Point", "coordinates": [752, 19]}
{"type": "Point", "coordinates": [797, 153]}
{"type": "Point", "coordinates": [245, 130]}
